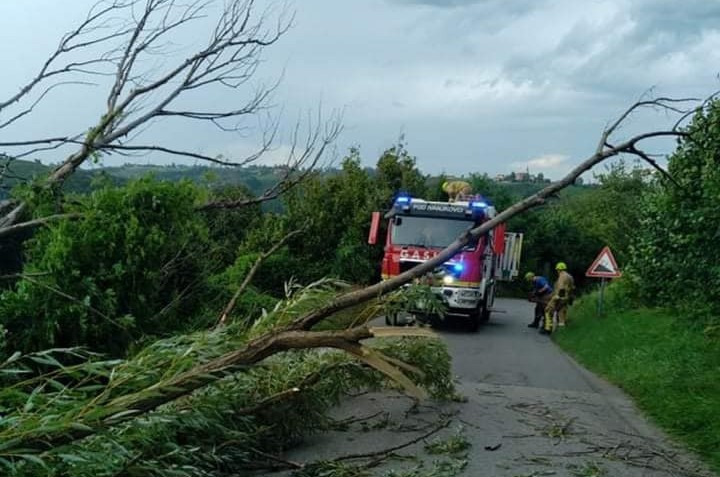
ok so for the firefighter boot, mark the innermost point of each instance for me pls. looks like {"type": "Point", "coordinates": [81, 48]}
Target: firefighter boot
{"type": "Point", "coordinates": [547, 324]}
{"type": "Point", "coordinates": [538, 317]}
{"type": "Point", "coordinates": [562, 315]}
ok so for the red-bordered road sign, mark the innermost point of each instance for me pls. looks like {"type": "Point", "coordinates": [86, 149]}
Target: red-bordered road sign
{"type": "Point", "coordinates": [604, 266]}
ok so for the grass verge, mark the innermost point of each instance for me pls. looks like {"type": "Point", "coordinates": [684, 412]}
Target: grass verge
{"type": "Point", "coordinates": [669, 367]}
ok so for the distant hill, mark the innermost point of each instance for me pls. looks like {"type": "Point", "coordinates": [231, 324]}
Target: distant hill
{"type": "Point", "coordinates": [256, 178]}
{"type": "Point", "coordinates": [19, 171]}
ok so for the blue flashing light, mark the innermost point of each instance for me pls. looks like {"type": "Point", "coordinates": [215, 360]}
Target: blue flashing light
{"type": "Point", "coordinates": [458, 267]}
{"type": "Point", "coordinates": [402, 200]}
{"type": "Point", "coordinates": [478, 205]}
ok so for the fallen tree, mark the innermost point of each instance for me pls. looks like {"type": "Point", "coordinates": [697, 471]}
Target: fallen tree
{"type": "Point", "coordinates": [227, 377]}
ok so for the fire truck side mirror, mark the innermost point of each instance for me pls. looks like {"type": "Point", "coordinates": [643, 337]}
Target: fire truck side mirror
{"type": "Point", "coordinates": [374, 227]}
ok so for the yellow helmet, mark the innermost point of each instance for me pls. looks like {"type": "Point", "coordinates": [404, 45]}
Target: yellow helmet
{"type": "Point", "coordinates": [444, 186]}
{"type": "Point", "coordinates": [561, 266]}
{"type": "Point", "coordinates": [529, 276]}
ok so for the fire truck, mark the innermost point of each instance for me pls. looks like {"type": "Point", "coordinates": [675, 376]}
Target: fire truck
{"type": "Point", "coordinates": [418, 229]}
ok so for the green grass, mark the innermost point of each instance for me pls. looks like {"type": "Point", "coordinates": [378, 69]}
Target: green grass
{"type": "Point", "coordinates": [669, 367]}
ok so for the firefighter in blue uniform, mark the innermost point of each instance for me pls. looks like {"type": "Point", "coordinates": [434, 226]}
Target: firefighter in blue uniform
{"type": "Point", "coordinates": [540, 295]}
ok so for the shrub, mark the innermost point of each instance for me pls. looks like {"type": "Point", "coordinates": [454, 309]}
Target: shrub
{"type": "Point", "coordinates": [133, 265]}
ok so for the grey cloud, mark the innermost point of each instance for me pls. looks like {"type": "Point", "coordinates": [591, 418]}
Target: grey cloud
{"type": "Point", "coordinates": [681, 19]}
{"type": "Point", "coordinates": [623, 55]}
{"type": "Point", "coordinates": [498, 5]}
{"type": "Point", "coordinates": [492, 14]}
{"type": "Point", "coordinates": [662, 27]}
{"type": "Point", "coordinates": [441, 3]}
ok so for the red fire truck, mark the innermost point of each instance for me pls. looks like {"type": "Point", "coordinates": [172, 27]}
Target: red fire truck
{"type": "Point", "coordinates": [418, 229]}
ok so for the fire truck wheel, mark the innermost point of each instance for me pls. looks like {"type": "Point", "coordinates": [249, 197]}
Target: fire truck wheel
{"type": "Point", "coordinates": [479, 316]}
{"type": "Point", "coordinates": [423, 319]}
{"type": "Point", "coordinates": [485, 315]}
{"type": "Point", "coordinates": [475, 318]}
{"type": "Point", "coordinates": [474, 322]}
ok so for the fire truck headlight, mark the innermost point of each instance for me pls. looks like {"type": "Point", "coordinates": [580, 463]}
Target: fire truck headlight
{"type": "Point", "coordinates": [448, 279]}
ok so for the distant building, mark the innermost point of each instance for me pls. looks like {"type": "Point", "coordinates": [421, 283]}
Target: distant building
{"type": "Point", "coordinates": [522, 177]}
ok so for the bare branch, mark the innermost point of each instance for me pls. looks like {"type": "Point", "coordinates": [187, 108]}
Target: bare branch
{"type": "Point", "coordinates": [661, 103]}
{"type": "Point", "coordinates": [31, 224]}
{"type": "Point", "coordinates": [646, 157]}
{"type": "Point", "coordinates": [442, 424]}
{"type": "Point", "coordinates": [17, 276]}
{"type": "Point", "coordinates": [95, 20]}
{"type": "Point", "coordinates": [281, 463]}
{"type": "Point", "coordinates": [712, 97]}
{"type": "Point", "coordinates": [374, 457]}
{"type": "Point", "coordinates": [31, 142]}
{"type": "Point", "coordinates": [138, 44]}
{"type": "Point", "coordinates": [31, 108]}
{"type": "Point", "coordinates": [231, 54]}
{"type": "Point", "coordinates": [297, 169]}
{"type": "Point", "coordinates": [71, 298]}
{"type": "Point", "coordinates": [6, 205]}
{"type": "Point", "coordinates": [177, 152]}
{"type": "Point", "coordinates": [11, 217]}
{"type": "Point", "coordinates": [229, 59]}
{"type": "Point", "coordinates": [248, 278]}
{"type": "Point", "coordinates": [148, 87]}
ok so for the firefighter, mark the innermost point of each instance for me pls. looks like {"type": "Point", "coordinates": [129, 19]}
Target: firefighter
{"type": "Point", "coordinates": [456, 189]}
{"type": "Point", "coordinates": [540, 295]}
{"type": "Point", "coordinates": [562, 296]}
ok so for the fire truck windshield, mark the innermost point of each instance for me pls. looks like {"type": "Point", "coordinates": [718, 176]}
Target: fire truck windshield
{"type": "Point", "coordinates": [427, 231]}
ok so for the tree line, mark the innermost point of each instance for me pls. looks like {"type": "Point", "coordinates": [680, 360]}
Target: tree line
{"type": "Point", "coordinates": [142, 262]}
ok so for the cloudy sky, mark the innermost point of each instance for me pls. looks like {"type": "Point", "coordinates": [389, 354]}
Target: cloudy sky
{"type": "Point", "coordinates": [473, 85]}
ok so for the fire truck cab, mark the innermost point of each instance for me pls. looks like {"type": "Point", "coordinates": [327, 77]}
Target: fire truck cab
{"type": "Point", "coordinates": [417, 230]}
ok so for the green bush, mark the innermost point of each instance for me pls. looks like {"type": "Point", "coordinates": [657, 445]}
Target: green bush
{"type": "Point", "coordinates": [335, 212]}
{"type": "Point", "coordinates": [133, 265]}
{"type": "Point", "coordinates": [675, 252]}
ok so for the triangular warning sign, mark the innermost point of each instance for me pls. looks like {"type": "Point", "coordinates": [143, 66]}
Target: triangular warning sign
{"type": "Point", "coordinates": [604, 266]}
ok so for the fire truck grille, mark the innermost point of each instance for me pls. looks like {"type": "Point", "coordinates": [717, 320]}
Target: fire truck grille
{"type": "Point", "coordinates": [405, 265]}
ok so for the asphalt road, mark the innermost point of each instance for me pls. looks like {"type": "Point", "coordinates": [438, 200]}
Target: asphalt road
{"type": "Point", "coordinates": [530, 411]}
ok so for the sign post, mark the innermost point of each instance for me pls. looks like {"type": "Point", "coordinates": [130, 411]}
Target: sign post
{"type": "Point", "coordinates": [600, 298]}
{"type": "Point", "coordinates": [603, 267]}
